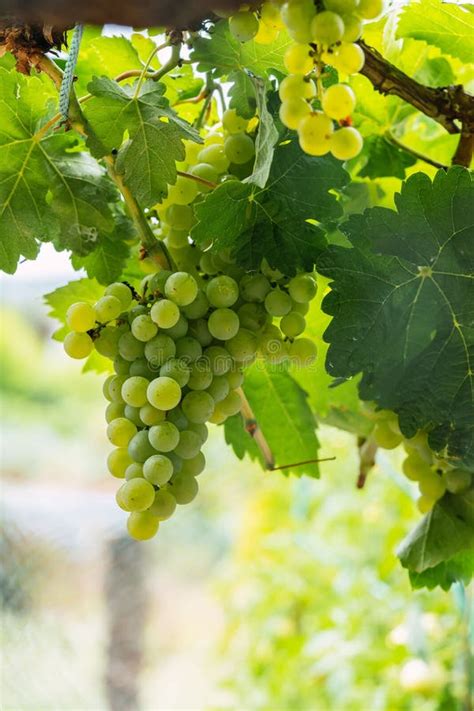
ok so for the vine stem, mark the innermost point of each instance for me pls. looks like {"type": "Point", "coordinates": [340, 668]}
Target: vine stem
{"type": "Point", "coordinates": [419, 156]}
{"type": "Point", "coordinates": [253, 429]}
{"type": "Point", "coordinates": [152, 246]}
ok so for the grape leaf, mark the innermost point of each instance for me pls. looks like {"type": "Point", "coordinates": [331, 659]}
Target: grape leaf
{"type": "Point", "coordinates": [242, 94]}
{"type": "Point", "coordinates": [267, 136]}
{"type": "Point", "coordinates": [60, 300]}
{"type": "Point", "coordinates": [106, 262]}
{"type": "Point", "coordinates": [402, 301]}
{"type": "Point", "coordinates": [281, 408]}
{"type": "Point", "coordinates": [443, 533]}
{"type": "Point", "coordinates": [384, 159]}
{"type": "Point", "coordinates": [104, 55]}
{"type": "Point", "coordinates": [448, 27]}
{"type": "Point", "coordinates": [240, 440]}
{"type": "Point", "coordinates": [272, 222]}
{"type": "Point", "coordinates": [155, 135]}
{"type": "Point", "coordinates": [459, 568]}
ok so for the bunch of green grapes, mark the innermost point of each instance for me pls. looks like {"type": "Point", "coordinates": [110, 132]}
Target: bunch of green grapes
{"type": "Point", "coordinates": [433, 475]}
{"type": "Point", "coordinates": [323, 35]}
{"type": "Point", "coordinates": [178, 353]}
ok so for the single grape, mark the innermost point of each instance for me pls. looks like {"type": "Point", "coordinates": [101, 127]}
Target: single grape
{"type": "Point", "coordinates": [164, 437]}
{"type": "Point", "coordinates": [327, 28]}
{"type": "Point", "coordinates": [293, 111]}
{"type": "Point", "coordinates": [243, 346]}
{"type": "Point", "coordinates": [141, 367]}
{"type": "Point", "coordinates": [107, 309]}
{"type": "Point", "coordinates": [164, 393]}
{"type": "Point", "coordinates": [207, 172]}
{"type": "Point", "coordinates": [370, 9]}
{"type": "Point", "coordinates": [350, 58]}
{"type": "Point", "coordinates": [200, 429]}
{"type": "Point", "coordinates": [297, 16]}
{"type": "Point", "coordinates": [121, 366]}
{"type": "Point", "coordinates": [160, 349]}
{"type": "Point", "coordinates": [120, 431]}
{"type": "Point", "coordinates": [233, 123]}
{"type": "Point", "coordinates": [278, 302]}
{"type": "Point", "coordinates": [314, 133]}
{"type": "Point", "coordinates": [118, 461]}
{"type": "Point", "coordinates": [293, 324]}
{"type": "Point", "coordinates": [270, 15]}
{"type": "Point", "coordinates": [222, 291]}
{"type": "Point", "coordinates": [214, 155]}
{"type": "Point", "coordinates": [134, 391]}
{"type": "Point", "coordinates": [143, 328]}
{"type": "Point", "coordinates": [134, 471]}
{"type": "Point", "coordinates": [177, 417]}
{"type": "Point", "coordinates": [302, 352]}
{"type": "Point", "coordinates": [179, 330]}
{"type": "Point", "coordinates": [201, 376]}
{"type": "Point", "coordinates": [415, 468]}
{"type": "Point", "coordinates": [129, 347]}
{"type": "Point", "coordinates": [183, 191]}
{"type": "Point", "coordinates": [254, 287]}
{"type": "Point", "coordinates": [300, 308]}
{"type": "Point", "coordinates": [78, 345]}
{"type": "Point", "coordinates": [352, 28]}
{"type": "Point", "coordinates": [184, 488]}
{"type": "Point", "coordinates": [137, 494]}
{"type": "Point", "coordinates": [139, 447]}
{"type": "Point", "coordinates": [80, 317]}
{"type": "Point", "coordinates": [298, 59]}
{"type": "Point", "coordinates": [181, 288]}
{"type": "Point", "coordinates": [243, 25]}
{"type": "Point", "coordinates": [188, 349]}
{"type": "Point", "coordinates": [302, 288]}
{"type": "Point", "coordinates": [189, 444]}
{"type": "Point", "coordinates": [223, 324]}
{"type": "Point", "coordinates": [107, 342]}
{"type": "Point", "coordinates": [178, 369]}
{"type": "Point", "coordinates": [194, 466]}
{"type": "Point", "coordinates": [150, 416]}
{"type": "Point", "coordinates": [219, 388]}
{"type": "Point", "coordinates": [165, 313]}
{"type": "Point", "coordinates": [239, 148]}
{"type": "Point", "coordinates": [122, 292]}
{"type": "Point", "coordinates": [133, 414]}
{"type": "Point", "coordinates": [163, 506]}
{"type": "Point", "coordinates": [253, 316]}
{"type": "Point", "coordinates": [457, 480]}
{"type": "Point", "coordinates": [338, 101]}
{"type": "Point", "coordinates": [231, 404]}
{"type": "Point", "coordinates": [219, 359]}
{"type": "Point", "coordinates": [142, 525]}
{"type": "Point", "coordinates": [385, 436]}
{"type": "Point", "coordinates": [119, 501]}
{"type": "Point", "coordinates": [177, 239]}
{"type": "Point", "coordinates": [181, 217]}
{"type": "Point", "coordinates": [425, 504]}
{"type": "Point", "coordinates": [115, 388]}
{"type": "Point", "coordinates": [200, 331]}
{"type": "Point", "coordinates": [197, 406]}
{"type": "Point", "coordinates": [433, 487]}
{"type": "Point", "coordinates": [346, 143]}
{"type": "Point", "coordinates": [158, 281]}
{"type": "Point", "coordinates": [198, 308]}
{"type": "Point", "coordinates": [158, 469]}
{"type": "Point", "coordinates": [114, 410]}
{"type": "Point", "coordinates": [296, 86]}
{"type": "Point", "coordinates": [235, 378]}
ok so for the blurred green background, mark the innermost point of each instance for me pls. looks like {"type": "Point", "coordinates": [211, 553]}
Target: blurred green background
{"type": "Point", "coordinates": [267, 593]}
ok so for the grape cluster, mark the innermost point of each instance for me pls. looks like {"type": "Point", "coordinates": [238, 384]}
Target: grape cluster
{"type": "Point", "coordinates": [433, 475]}
{"type": "Point", "coordinates": [178, 353]}
{"type": "Point", "coordinates": [322, 36]}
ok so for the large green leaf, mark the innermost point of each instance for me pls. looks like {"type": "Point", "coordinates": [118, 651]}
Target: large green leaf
{"type": "Point", "coordinates": [447, 26]}
{"type": "Point", "coordinates": [155, 135]}
{"type": "Point", "coordinates": [402, 301]}
{"type": "Point", "coordinates": [272, 222]}
{"type": "Point", "coordinates": [459, 568]}
{"type": "Point", "coordinates": [443, 533]}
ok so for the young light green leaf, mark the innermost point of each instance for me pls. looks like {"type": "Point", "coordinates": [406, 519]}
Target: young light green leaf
{"type": "Point", "coordinates": [384, 159]}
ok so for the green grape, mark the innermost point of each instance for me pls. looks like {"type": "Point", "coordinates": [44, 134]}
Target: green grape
{"type": "Point", "coordinates": [133, 414]}
{"type": "Point", "coordinates": [235, 378]}
{"type": "Point", "coordinates": [158, 281]}
{"type": "Point", "coordinates": [197, 406]}
{"type": "Point", "coordinates": [298, 59]}
{"type": "Point", "coordinates": [183, 191]}
{"type": "Point", "coordinates": [78, 345]}
{"type": "Point", "coordinates": [270, 15]}
{"type": "Point", "coordinates": [139, 447]}
{"type": "Point", "coordinates": [370, 9]}
{"type": "Point", "coordinates": [253, 316]}
{"type": "Point", "coordinates": [457, 480]}
{"type": "Point", "coordinates": [188, 349]}
{"type": "Point", "coordinates": [338, 101]}
{"type": "Point", "coordinates": [122, 292]}
{"type": "Point", "coordinates": [327, 28]}
{"type": "Point", "coordinates": [115, 387]}
{"type": "Point", "coordinates": [118, 461]}
{"type": "Point", "coordinates": [352, 28]}
{"type": "Point", "coordinates": [254, 287]}
{"type": "Point", "coordinates": [293, 111]}
{"type": "Point", "coordinates": [433, 487]}
{"type": "Point", "coordinates": [239, 148]}
{"type": "Point", "coordinates": [293, 324]}
{"type": "Point", "coordinates": [121, 366]}
{"type": "Point", "coordinates": [107, 309]}
{"type": "Point", "coordinates": [181, 217]}
{"type": "Point", "coordinates": [114, 410]}
{"type": "Point", "coordinates": [194, 466]}
{"type": "Point", "coordinates": [200, 331]}
{"type": "Point", "coordinates": [385, 436]}
{"type": "Point", "coordinates": [296, 86]}
{"type": "Point", "coordinates": [181, 288]}
{"type": "Point", "coordinates": [134, 471]}
{"type": "Point", "coordinates": [243, 25]}
{"type": "Point", "coordinates": [302, 352]}
{"type": "Point", "coordinates": [143, 328]}
{"type": "Point", "coordinates": [120, 431]}
{"type": "Point", "coordinates": [219, 359]}
{"type": "Point", "coordinates": [277, 303]}
{"type": "Point", "coordinates": [415, 468]}
{"type": "Point", "coordinates": [184, 488]}
{"type": "Point", "coordinates": [189, 444]}
{"type": "Point", "coordinates": [207, 172]}
{"type": "Point", "coordinates": [164, 393]}
{"type": "Point", "coordinates": [177, 417]}
{"type": "Point", "coordinates": [297, 16]}
{"type": "Point", "coordinates": [222, 291]}
{"type": "Point", "coordinates": [218, 389]}
{"type": "Point", "coordinates": [201, 376]}
{"type": "Point", "coordinates": [118, 499]}
{"type": "Point", "coordinates": [200, 429]}
{"type": "Point", "coordinates": [142, 525]}
{"type": "Point", "coordinates": [80, 317]}
{"type": "Point", "coordinates": [350, 58]}
{"type": "Point", "coordinates": [164, 437]}
{"type": "Point", "coordinates": [341, 6]}
{"type": "Point", "coordinates": [134, 390]}
{"type": "Point", "coordinates": [243, 346]}
{"type": "Point", "coordinates": [300, 308]}
{"type": "Point", "coordinates": [198, 308]}
{"type": "Point", "coordinates": [425, 504]}
{"type": "Point", "coordinates": [159, 350]}
{"type": "Point", "coordinates": [176, 461]}
{"type": "Point", "coordinates": [177, 239]}
{"type": "Point", "coordinates": [129, 347]}
{"type": "Point", "coordinates": [178, 369]}
{"type": "Point", "coordinates": [137, 494]}
{"type": "Point", "coordinates": [302, 288]}
{"type": "Point", "coordinates": [314, 133]}
{"type": "Point", "coordinates": [150, 416]}
{"type": "Point", "coordinates": [233, 123]}
{"type": "Point", "coordinates": [107, 341]}
{"type": "Point", "coordinates": [231, 404]}
{"type": "Point", "coordinates": [223, 324]}
{"type": "Point", "coordinates": [141, 367]}
{"type": "Point", "coordinates": [105, 387]}
{"type": "Point", "coordinates": [214, 155]}
{"type": "Point", "coordinates": [164, 505]}
{"type": "Point", "coordinates": [136, 311]}
{"type": "Point", "coordinates": [165, 313]}
{"type": "Point", "coordinates": [346, 143]}
{"type": "Point", "coordinates": [179, 330]}
{"type": "Point", "coordinates": [158, 469]}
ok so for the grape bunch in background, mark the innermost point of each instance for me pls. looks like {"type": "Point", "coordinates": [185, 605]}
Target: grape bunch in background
{"type": "Point", "coordinates": [324, 34]}
{"type": "Point", "coordinates": [178, 353]}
